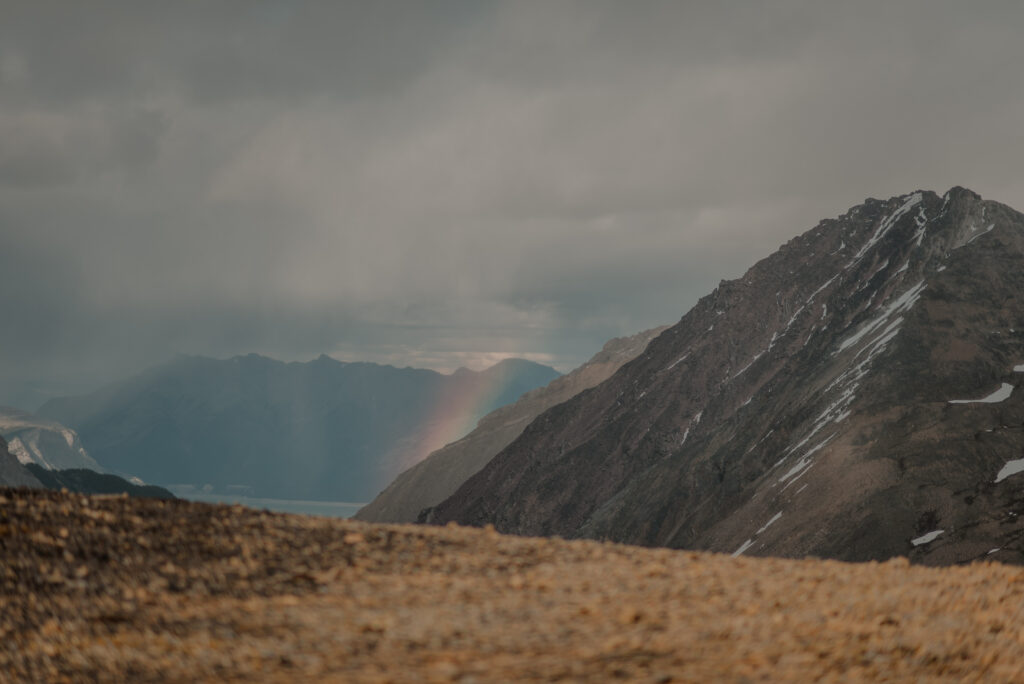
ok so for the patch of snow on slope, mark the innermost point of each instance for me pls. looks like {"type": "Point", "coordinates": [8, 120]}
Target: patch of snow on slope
{"type": "Point", "coordinates": [975, 237]}
{"type": "Point", "coordinates": [743, 547]}
{"type": "Point", "coordinates": [886, 225]}
{"type": "Point", "coordinates": [1001, 394]}
{"type": "Point", "coordinates": [677, 361]}
{"type": "Point", "coordinates": [766, 435]}
{"type": "Point", "coordinates": [768, 524]}
{"type": "Point", "coordinates": [921, 220]}
{"type": "Point", "coordinates": [847, 383]}
{"type": "Point", "coordinates": [694, 421]}
{"type": "Point", "coordinates": [752, 361]}
{"type": "Point", "coordinates": [805, 460]}
{"type": "Point", "coordinates": [925, 538]}
{"type": "Point", "coordinates": [816, 292]}
{"type": "Point", "coordinates": [793, 318]}
{"type": "Point", "coordinates": [1011, 468]}
{"type": "Point", "coordinates": [902, 303]}
{"type": "Point", "coordinates": [1019, 369]}
{"type": "Point", "coordinates": [867, 281]}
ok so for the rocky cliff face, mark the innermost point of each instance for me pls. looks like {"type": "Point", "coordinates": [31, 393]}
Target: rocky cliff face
{"type": "Point", "coordinates": [44, 442]}
{"type": "Point", "coordinates": [12, 472]}
{"type": "Point", "coordinates": [440, 474]}
{"type": "Point", "coordinates": [855, 395]}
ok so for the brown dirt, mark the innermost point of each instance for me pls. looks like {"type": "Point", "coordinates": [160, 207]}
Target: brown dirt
{"type": "Point", "coordinates": [117, 589]}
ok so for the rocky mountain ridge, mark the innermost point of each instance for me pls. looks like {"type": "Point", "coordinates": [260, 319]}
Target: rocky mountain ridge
{"type": "Point", "coordinates": [806, 408]}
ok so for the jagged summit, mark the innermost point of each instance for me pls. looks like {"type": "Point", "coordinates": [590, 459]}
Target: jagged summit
{"type": "Point", "coordinates": [804, 408]}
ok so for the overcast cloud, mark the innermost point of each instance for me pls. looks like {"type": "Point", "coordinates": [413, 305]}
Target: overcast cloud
{"type": "Point", "coordinates": [446, 183]}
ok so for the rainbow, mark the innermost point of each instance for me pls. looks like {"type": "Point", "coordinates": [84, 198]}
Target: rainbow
{"type": "Point", "coordinates": [456, 410]}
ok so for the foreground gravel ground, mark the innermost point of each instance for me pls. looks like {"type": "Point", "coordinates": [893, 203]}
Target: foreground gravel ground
{"type": "Point", "coordinates": [118, 589]}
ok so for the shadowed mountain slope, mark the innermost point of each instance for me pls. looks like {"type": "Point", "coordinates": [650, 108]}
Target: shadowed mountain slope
{"type": "Point", "coordinates": [856, 395]}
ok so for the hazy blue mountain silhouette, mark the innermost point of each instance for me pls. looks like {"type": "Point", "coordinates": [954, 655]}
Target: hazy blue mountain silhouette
{"type": "Point", "coordinates": [324, 429]}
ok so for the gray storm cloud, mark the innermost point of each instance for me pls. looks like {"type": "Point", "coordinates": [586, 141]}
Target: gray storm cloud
{"type": "Point", "coordinates": [444, 183]}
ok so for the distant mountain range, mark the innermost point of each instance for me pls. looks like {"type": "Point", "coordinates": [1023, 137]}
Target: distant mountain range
{"type": "Point", "coordinates": [856, 395]}
{"type": "Point", "coordinates": [438, 476]}
{"type": "Point", "coordinates": [250, 425]}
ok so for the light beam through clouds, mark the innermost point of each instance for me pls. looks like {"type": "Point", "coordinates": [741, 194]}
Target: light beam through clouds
{"type": "Point", "coordinates": [448, 183]}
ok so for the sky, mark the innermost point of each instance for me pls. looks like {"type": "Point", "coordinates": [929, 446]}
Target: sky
{"type": "Point", "coordinates": [439, 184]}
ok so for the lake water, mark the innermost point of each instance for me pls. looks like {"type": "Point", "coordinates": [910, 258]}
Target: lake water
{"type": "Point", "coordinates": [331, 509]}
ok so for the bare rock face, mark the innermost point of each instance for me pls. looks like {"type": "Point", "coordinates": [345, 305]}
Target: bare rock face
{"type": "Point", "coordinates": [45, 442]}
{"type": "Point", "coordinates": [12, 472]}
{"type": "Point", "coordinates": [856, 395]}
{"type": "Point", "coordinates": [438, 476]}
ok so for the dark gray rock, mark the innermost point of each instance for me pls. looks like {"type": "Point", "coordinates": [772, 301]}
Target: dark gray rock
{"type": "Point", "coordinates": [804, 409]}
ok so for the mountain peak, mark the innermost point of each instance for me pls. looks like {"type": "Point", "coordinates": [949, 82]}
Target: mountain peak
{"type": "Point", "coordinates": [815, 388]}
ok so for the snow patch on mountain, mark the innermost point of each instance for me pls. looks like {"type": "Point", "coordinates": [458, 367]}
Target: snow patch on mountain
{"type": "Point", "coordinates": [975, 237]}
{"type": "Point", "coordinates": [769, 523]}
{"type": "Point", "coordinates": [925, 538]}
{"type": "Point", "coordinates": [903, 303]}
{"type": "Point", "coordinates": [886, 224]}
{"type": "Point", "coordinates": [743, 547]}
{"type": "Point", "coordinates": [1001, 394]}
{"type": "Point", "coordinates": [1011, 468]}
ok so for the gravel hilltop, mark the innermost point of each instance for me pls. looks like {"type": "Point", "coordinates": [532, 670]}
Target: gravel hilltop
{"type": "Point", "coordinates": [116, 589]}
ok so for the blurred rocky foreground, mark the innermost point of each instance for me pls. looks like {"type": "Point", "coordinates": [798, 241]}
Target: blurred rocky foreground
{"type": "Point", "coordinates": [119, 589]}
